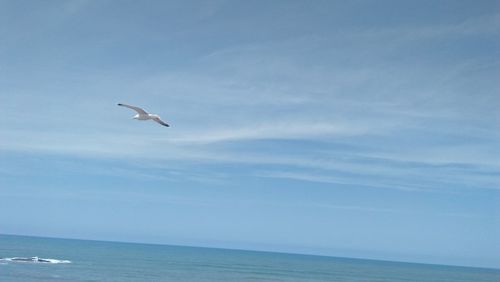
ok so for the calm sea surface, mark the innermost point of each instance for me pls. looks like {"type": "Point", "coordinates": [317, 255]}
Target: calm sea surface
{"type": "Point", "coordinates": [106, 261]}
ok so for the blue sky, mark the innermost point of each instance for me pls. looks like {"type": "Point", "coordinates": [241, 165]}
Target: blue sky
{"type": "Point", "coordinates": [362, 129]}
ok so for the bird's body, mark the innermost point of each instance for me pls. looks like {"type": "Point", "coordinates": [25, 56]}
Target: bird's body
{"type": "Point", "coordinates": [143, 115]}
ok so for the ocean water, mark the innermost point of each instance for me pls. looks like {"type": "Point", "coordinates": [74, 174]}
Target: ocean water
{"type": "Point", "coordinates": [80, 260]}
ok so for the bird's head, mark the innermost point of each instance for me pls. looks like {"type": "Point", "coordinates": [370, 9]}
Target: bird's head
{"type": "Point", "coordinates": [136, 116]}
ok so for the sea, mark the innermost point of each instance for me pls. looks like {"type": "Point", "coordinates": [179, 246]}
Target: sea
{"type": "Point", "coordinates": [35, 259]}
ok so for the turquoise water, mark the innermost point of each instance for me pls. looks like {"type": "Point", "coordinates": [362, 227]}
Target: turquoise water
{"type": "Point", "coordinates": [108, 261]}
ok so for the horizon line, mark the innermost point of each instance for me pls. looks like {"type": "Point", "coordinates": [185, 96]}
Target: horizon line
{"type": "Point", "coordinates": [254, 250]}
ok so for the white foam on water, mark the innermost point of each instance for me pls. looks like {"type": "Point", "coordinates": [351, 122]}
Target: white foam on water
{"type": "Point", "coordinates": [33, 260]}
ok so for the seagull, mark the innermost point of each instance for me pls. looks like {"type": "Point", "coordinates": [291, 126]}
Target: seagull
{"type": "Point", "coordinates": [143, 115]}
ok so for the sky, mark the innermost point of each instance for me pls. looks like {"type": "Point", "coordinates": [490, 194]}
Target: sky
{"type": "Point", "coordinates": [366, 129]}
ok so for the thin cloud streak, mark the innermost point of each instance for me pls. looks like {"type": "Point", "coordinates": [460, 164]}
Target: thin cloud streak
{"type": "Point", "coordinates": [274, 130]}
{"type": "Point", "coordinates": [342, 182]}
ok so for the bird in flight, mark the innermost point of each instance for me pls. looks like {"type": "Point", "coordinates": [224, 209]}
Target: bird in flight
{"type": "Point", "coordinates": [143, 115]}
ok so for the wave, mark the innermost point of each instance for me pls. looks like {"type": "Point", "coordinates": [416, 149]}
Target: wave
{"type": "Point", "coordinates": [34, 260]}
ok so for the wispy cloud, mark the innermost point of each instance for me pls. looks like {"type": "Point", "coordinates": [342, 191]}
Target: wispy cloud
{"type": "Point", "coordinates": [292, 89]}
{"type": "Point", "coordinates": [272, 130]}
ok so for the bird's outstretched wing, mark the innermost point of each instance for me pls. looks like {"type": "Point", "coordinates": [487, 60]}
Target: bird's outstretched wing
{"type": "Point", "coordinates": [158, 120]}
{"type": "Point", "coordinates": [137, 109]}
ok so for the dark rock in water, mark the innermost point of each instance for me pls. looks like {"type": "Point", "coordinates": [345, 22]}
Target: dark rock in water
{"type": "Point", "coordinates": [21, 259]}
{"type": "Point", "coordinates": [43, 260]}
